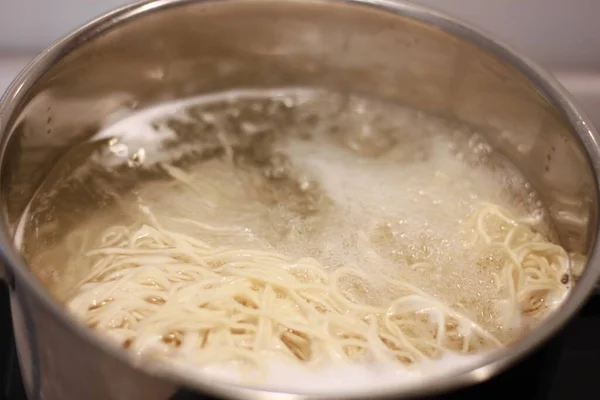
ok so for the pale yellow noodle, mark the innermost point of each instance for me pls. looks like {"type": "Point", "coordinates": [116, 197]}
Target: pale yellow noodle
{"type": "Point", "coordinates": [168, 295]}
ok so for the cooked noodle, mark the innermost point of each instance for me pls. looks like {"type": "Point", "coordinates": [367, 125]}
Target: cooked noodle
{"type": "Point", "coordinates": [165, 294]}
{"type": "Point", "coordinates": [535, 269]}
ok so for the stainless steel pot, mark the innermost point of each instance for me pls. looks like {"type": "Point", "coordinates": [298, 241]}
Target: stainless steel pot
{"type": "Point", "coordinates": [165, 49]}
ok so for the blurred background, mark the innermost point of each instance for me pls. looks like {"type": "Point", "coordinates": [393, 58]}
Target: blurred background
{"type": "Point", "coordinates": [562, 35]}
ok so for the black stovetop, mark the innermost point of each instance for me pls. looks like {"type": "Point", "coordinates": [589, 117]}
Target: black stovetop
{"type": "Point", "coordinates": [566, 368]}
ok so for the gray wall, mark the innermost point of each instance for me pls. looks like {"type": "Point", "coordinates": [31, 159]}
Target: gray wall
{"type": "Point", "coordinates": [558, 33]}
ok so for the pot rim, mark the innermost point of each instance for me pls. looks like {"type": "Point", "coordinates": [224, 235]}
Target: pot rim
{"type": "Point", "coordinates": [489, 366]}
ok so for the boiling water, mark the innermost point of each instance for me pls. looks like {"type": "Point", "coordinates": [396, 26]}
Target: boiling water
{"type": "Point", "coordinates": [348, 181]}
